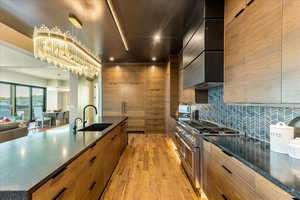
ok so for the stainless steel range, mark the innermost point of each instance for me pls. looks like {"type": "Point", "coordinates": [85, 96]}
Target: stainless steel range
{"type": "Point", "coordinates": [189, 145]}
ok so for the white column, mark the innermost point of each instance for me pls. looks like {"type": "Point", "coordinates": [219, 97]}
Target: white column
{"type": "Point", "coordinates": [74, 82]}
{"type": "Point", "coordinates": [100, 94]}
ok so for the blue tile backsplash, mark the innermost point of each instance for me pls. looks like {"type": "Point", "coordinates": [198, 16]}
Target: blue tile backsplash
{"type": "Point", "coordinates": [254, 120]}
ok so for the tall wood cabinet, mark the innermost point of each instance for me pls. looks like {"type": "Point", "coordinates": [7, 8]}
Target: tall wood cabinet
{"type": "Point", "coordinates": [121, 87]}
{"type": "Point", "coordinates": [136, 91]}
{"type": "Point", "coordinates": [291, 52]}
{"type": "Point", "coordinates": [262, 48]}
{"type": "Point", "coordinates": [253, 53]}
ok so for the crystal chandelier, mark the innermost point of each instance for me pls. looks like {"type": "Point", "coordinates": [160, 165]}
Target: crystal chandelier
{"type": "Point", "coordinates": [64, 51]}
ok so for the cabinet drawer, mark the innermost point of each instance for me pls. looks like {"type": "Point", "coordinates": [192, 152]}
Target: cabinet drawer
{"type": "Point", "coordinates": [94, 191]}
{"type": "Point", "coordinates": [88, 180]}
{"type": "Point", "coordinates": [238, 170]}
{"type": "Point", "coordinates": [61, 185]}
{"type": "Point", "coordinates": [268, 191]}
{"type": "Point", "coordinates": [230, 186]}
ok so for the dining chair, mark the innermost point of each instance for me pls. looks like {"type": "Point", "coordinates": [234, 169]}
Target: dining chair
{"type": "Point", "coordinates": [40, 117]}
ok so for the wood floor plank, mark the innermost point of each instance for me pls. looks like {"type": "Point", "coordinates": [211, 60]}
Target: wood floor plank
{"type": "Point", "coordinates": [149, 169]}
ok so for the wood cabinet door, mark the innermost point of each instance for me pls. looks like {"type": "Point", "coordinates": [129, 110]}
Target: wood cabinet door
{"type": "Point", "coordinates": [123, 94]}
{"type": "Point", "coordinates": [112, 101]}
{"type": "Point", "coordinates": [234, 61]}
{"type": "Point", "coordinates": [291, 52]}
{"type": "Point", "coordinates": [253, 54]}
{"type": "Point", "coordinates": [268, 191]}
{"type": "Point", "coordinates": [232, 9]}
{"type": "Point", "coordinates": [133, 105]}
{"type": "Point", "coordinates": [210, 188]}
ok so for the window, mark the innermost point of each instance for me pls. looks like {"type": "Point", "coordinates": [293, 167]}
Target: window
{"type": "Point", "coordinates": [38, 102]}
{"type": "Point", "coordinates": [6, 107]}
{"type": "Point", "coordinates": [21, 101]}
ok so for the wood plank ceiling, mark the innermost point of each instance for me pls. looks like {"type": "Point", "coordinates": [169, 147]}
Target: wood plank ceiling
{"type": "Point", "coordinates": [140, 19]}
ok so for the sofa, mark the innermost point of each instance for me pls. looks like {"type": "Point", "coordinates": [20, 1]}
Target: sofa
{"type": "Point", "coordinates": [11, 130]}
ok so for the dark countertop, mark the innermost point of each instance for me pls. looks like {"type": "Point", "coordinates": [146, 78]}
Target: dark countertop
{"type": "Point", "coordinates": [29, 161]}
{"type": "Point", "coordinates": [280, 169]}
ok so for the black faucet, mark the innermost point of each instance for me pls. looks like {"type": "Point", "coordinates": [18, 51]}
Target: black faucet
{"type": "Point", "coordinates": [75, 123]}
{"type": "Point", "coordinates": [85, 107]}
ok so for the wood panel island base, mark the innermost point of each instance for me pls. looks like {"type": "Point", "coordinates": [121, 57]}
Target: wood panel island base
{"type": "Point", "coordinates": [86, 175]}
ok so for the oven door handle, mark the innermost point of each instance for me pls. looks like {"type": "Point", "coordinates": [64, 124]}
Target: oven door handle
{"type": "Point", "coordinates": [177, 134]}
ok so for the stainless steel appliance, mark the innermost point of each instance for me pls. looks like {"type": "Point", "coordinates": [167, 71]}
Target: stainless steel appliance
{"type": "Point", "coordinates": [184, 112]}
{"type": "Point", "coordinates": [189, 145]}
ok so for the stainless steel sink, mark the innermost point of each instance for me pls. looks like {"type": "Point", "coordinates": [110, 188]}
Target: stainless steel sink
{"type": "Point", "coordinates": [96, 127]}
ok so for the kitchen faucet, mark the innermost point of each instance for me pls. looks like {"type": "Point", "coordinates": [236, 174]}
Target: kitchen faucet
{"type": "Point", "coordinates": [84, 121]}
{"type": "Point", "coordinates": [75, 123]}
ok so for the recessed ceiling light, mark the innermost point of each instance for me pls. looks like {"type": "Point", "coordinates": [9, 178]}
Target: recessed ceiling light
{"type": "Point", "coordinates": [111, 58]}
{"type": "Point", "coordinates": [75, 21]}
{"type": "Point", "coordinates": [156, 37]}
{"type": "Point", "coordinates": [154, 59]}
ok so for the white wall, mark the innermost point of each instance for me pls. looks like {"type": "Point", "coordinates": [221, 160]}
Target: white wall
{"type": "Point", "coordinates": [85, 96]}
{"type": "Point", "coordinates": [57, 98]}
{"type": "Point", "coordinates": [81, 94]}
{"type": "Point", "coordinates": [73, 106]}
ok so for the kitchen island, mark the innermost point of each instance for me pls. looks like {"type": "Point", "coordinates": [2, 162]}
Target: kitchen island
{"type": "Point", "coordinates": [59, 159]}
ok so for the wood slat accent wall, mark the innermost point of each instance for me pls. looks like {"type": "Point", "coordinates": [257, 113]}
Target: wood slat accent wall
{"type": "Point", "coordinates": [142, 88]}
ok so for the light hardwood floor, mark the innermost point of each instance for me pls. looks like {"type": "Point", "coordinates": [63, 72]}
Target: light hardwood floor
{"type": "Point", "coordinates": [149, 170]}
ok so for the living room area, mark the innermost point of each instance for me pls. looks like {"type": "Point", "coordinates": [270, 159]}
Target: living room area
{"type": "Point", "coordinates": [34, 95]}
{"type": "Point", "coordinates": [32, 103]}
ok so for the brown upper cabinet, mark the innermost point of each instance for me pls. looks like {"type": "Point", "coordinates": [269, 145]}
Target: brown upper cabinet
{"type": "Point", "coordinates": [253, 48]}
{"type": "Point", "coordinates": [291, 52]}
{"type": "Point", "coordinates": [233, 8]}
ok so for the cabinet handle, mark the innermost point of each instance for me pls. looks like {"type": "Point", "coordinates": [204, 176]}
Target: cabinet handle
{"type": "Point", "coordinates": [58, 172]}
{"type": "Point", "coordinates": [59, 195]}
{"type": "Point", "coordinates": [224, 197]}
{"type": "Point", "coordinates": [228, 154]}
{"type": "Point", "coordinates": [239, 13]}
{"type": "Point", "coordinates": [227, 169]}
{"type": "Point", "coordinates": [113, 137]}
{"type": "Point", "coordinates": [250, 2]}
{"type": "Point", "coordinates": [93, 159]}
{"type": "Point", "coordinates": [92, 186]}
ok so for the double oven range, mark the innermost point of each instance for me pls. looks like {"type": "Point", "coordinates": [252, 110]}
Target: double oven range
{"type": "Point", "coordinates": [189, 144]}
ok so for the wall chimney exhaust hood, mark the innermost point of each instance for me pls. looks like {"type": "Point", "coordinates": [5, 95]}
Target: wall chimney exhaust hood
{"type": "Point", "coordinates": [205, 71]}
{"type": "Point", "coordinates": [203, 60]}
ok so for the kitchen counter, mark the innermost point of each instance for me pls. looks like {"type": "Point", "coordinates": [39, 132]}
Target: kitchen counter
{"type": "Point", "coordinates": [28, 162]}
{"type": "Point", "coordinates": [279, 168]}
